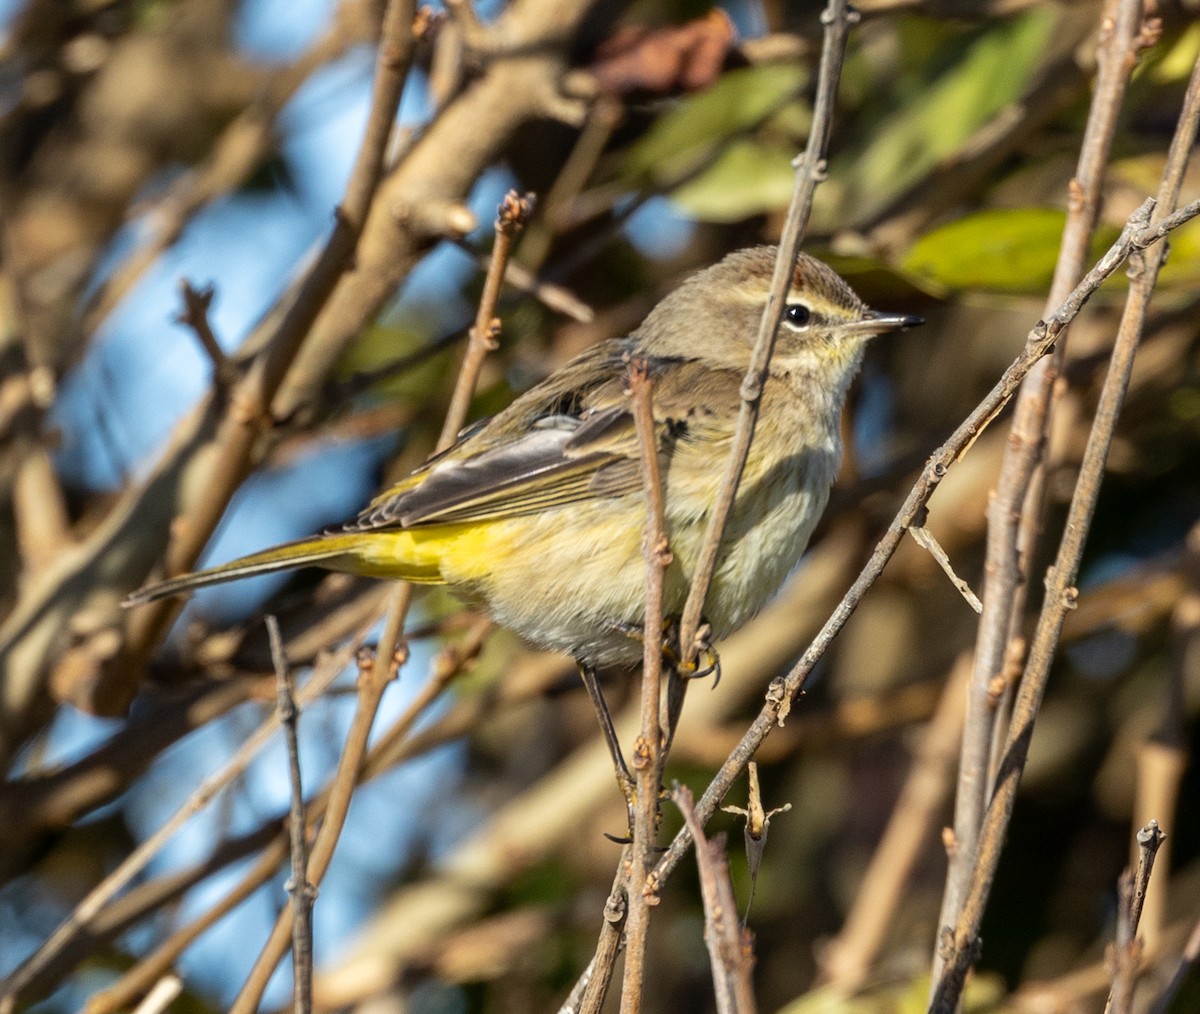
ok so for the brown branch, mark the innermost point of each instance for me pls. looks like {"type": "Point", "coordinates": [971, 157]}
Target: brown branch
{"type": "Point", "coordinates": [1126, 953]}
{"type": "Point", "coordinates": [125, 991]}
{"type": "Point", "coordinates": [484, 336]}
{"type": "Point", "coordinates": [237, 151]}
{"type": "Point", "coordinates": [249, 414]}
{"type": "Point", "coordinates": [1135, 236]}
{"type": "Point", "coordinates": [1060, 591]}
{"type": "Point", "coordinates": [161, 996]}
{"type": "Point", "coordinates": [421, 200]}
{"type": "Point", "coordinates": [590, 990]}
{"type": "Point", "coordinates": [730, 946]}
{"type": "Point", "coordinates": [39, 508]}
{"type": "Point", "coordinates": [372, 683]}
{"type": "Point", "coordinates": [394, 746]}
{"type": "Point", "coordinates": [648, 753]}
{"type": "Point", "coordinates": [1008, 555]}
{"type": "Point", "coordinates": [133, 864]}
{"type": "Point", "coordinates": [810, 170]}
{"type": "Point", "coordinates": [302, 892]}
{"type": "Point", "coordinates": [194, 315]}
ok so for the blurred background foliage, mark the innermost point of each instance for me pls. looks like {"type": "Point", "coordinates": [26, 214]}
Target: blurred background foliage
{"type": "Point", "coordinates": [144, 143]}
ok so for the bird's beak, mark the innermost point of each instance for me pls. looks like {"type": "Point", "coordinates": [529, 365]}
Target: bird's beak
{"type": "Point", "coordinates": [881, 323]}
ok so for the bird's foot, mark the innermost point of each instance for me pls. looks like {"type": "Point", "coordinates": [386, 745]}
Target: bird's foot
{"type": "Point", "coordinates": [705, 660]}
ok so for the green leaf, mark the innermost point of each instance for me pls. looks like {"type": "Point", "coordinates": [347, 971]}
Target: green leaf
{"type": "Point", "coordinates": [933, 123]}
{"type": "Point", "coordinates": [685, 138]}
{"type": "Point", "coordinates": [999, 250]}
{"type": "Point", "coordinates": [747, 178]}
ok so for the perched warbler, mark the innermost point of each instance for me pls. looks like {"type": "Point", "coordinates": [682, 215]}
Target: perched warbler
{"type": "Point", "coordinates": [537, 514]}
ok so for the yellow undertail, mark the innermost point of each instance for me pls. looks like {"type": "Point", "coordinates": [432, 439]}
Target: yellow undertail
{"type": "Point", "coordinates": [407, 555]}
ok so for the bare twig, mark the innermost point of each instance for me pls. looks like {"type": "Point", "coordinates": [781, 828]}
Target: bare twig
{"type": "Point", "coordinates": [372, 683]}
{"type": "Point", "coordinates": [648, 756]}
{"type": "Point", "coordinates": [513, 213]}
{"type": "Point", "coordinates": [249, 413]}
{"type": "Point", "coordinates": [1126, 952]}
{"type": "Point", "coordinates": [837, 17]}
{"type": "Point", "coordinates": [928, 541]}
{"type": "Point", "coordinates": [730, 945]}
{"type": "Point", "coordinates": [194, 315]}
{"type": "Point", "coordinates": [587, 996]}
{"type": "Point", "coordinates": [758, 824]}
{"type": "Point", "coordinates": [1060, 591]}
{"type": "Point", "coordinates": [302, 892]}
{"type": "Point", "coordinates": [1008, 555]}
{"type": "Point", "coordinates": [136, 861]}
{"type": "Point", "coordinates": [1136, 235]}
{"type": "Point", "coordinates": [1163, 760]}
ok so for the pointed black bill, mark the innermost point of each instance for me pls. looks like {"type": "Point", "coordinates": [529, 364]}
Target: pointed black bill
{"type": "Point", "coordinates": [874, 322]}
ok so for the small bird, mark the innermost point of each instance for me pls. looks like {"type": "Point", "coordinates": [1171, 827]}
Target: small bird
{"type": "Point", "coordinates": [537, 514]}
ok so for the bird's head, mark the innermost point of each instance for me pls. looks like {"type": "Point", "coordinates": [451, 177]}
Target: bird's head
{"type": "Point", "coordinates": [714, 315]}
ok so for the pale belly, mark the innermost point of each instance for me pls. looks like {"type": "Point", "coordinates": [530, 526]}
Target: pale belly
{"type": "Point", "coordinates": [573, 579]}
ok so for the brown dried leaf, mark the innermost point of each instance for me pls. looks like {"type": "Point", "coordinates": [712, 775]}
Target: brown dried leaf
{"type": "Point", "coordinates": [637, 60]}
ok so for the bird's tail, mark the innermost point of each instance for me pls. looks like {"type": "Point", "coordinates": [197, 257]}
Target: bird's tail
{"type": "Point", "coordinates": [324, 550]}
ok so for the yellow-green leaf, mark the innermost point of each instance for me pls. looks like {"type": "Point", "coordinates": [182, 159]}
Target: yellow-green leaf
{"type": "Point", "coordinates": [682, 139]}
{"type": "Point", "coordinates": [999, 250]}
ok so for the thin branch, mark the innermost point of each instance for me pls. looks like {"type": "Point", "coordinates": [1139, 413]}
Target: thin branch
{"type": "Point", "coordinates": [1126, 953]}
{"type": "Point", "coordinates": [249, 411]}
{"type": "Point", "coordinates": [837, 17]}
{"type": "Point", "coordinates": [194, 316]}
{"type": "Point", "coordinates": [133, 864]}
{"type": "Point", "coordinates": [122, 993]}
{"type": "Point", "coordinates": [1061, 594]}
{"type": "Point", "coordinates": [1008, 554]}
{"type": "Point", "coordinates": [730, 945]}
{"type": "Point", "coordinates": [648, 753]}
{"type": "Point", "coordinates": [372, 683]}
{"type": "Point", "coordinates": [160, 998]}
{"type": "Point", "coordinates": [302, 892]}
{"type": "Point", "coordinates": [1135, 236]}
{"type": "Point", "coordinates": [484, 336]}
{"type": "Point", "coordinates": [590, 990]}
{"type": "Point", "coordinates": [928, 541]}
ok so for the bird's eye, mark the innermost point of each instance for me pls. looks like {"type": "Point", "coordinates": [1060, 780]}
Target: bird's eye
{"type": "Point", "coordinates": [797, 314]}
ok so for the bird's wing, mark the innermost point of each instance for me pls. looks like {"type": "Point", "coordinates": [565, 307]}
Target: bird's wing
{"type": "Point", "coordinates": [522, 463]}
